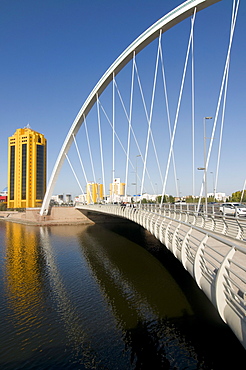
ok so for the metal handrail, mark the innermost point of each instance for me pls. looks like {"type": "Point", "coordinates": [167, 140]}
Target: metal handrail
{"type": "Point", "coordinates": [233, 227]}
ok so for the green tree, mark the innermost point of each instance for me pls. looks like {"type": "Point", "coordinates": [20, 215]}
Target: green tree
{"type": "Point", "coordinates": [211, 198]}
{"type": "Point", "coordinates": [190, 199]}
{"type": "Point", "coordinates": [171, 199]}
{"type": "Point", "coordinates": [3, 207]}
{"type": "Point", "coordinates": [236, 197]}
{"type": "Point", "coordinates": [159, 197]}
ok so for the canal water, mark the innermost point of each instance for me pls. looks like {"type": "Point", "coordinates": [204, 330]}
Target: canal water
{"type": "Point", "coordinates": [103, 297]}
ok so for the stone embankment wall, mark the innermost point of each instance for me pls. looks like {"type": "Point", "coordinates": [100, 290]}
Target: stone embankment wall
{"type": "Point", "coordinates": [58, 216]}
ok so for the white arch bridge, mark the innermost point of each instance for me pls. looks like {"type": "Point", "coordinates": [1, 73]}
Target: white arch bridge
{"type": "Point", "coordinates": [141, 124]}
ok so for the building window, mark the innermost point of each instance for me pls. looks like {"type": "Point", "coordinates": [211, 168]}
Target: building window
{"type": "Point", "coordinates": [40, 180]}
{"type": "Point", "coordinates": [23, 171]}
{"type": "Point", "coordinates": [12, 173]}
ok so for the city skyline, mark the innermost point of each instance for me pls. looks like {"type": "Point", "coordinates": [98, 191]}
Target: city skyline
{"type": "Point", "coordinates": [54, 54]}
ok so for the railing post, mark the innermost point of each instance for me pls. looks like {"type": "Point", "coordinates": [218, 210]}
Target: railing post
{"type": "Point", "coordinates": [156, 226]}
{"type": "Point", "coordinates": [240, 231]}
{"type": "Point", "coordinates": [222, 282]}
{"type": "Point", "coordinates": [183, 248]}
{"type": "Point", "coordinates": [174, 244]}
{"type": "Point", "coordinates": [161, 234]}
{"type": "Point", "coordinates": [166, 235]}
{"type": "Point", "coordinates": [213, 222]}
{"type": "Point", "coordinates": [152, 222]}
{"type": "Point", "coordinates": [186, 216]}
{"type": "Point", "coordinates": [138, 213]}
{"type": "Point", "coordinates": [197, 271]}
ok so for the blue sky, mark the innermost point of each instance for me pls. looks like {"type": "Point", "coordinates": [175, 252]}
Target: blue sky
{"type": "Point", "coordinates": [53, 52]}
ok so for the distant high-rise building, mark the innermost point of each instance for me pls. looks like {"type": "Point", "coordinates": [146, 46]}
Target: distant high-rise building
{"type": "Point", "coordinates": [94, 192]}
{"type": "Point", "coordinates": [26, 169]}
{"type": "Point", "coordinates": [117, 189]}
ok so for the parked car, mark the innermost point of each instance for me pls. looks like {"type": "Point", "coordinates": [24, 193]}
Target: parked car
{"type": "Point", "coordinates": [234, 209]}
{"type": "Point", "coordinates": [180, 202]}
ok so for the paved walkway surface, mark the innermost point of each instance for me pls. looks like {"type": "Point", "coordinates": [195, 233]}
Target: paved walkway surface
{"type": "Point", "coordinates": [58, 216]}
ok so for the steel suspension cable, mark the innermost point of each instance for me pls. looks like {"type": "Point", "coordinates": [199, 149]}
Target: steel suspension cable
{"type": "Point", "coordinates": [129, 125]}
{"type": "Point", "coordinates": [233, 21]}
{"type": "Point", "coordinates": [193, 113]}
{"type": "Point", "coordinates": [150, 121]}
{"type": "Point", "coordinates": [113, 136]}
{"type": "Point", "coordinates": [81, 163]}
{"type": "Point", "coordinates": [243, 191]}
{"type": "Point", "coordinates": [168, 117]}
{"type": "Point", "coordinates": [135, 139]}
{"type": "Point", "coordinates": [101, 145]}
{"type": "Point", "coordinates": [178, 107]}
{"type": "Point", "coordinates": [70, 164]}
{"type": "Point", "coordinates": [116, 135]}
{"type": "Point", "coordinates": [223, 83]}
{"type": "Point", "coordinates": [80, 159]}
{"type": "Point", "coordinates": [89, 148]}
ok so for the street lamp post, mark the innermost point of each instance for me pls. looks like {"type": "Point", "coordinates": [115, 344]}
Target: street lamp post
{"type": "Point", "coordinates": [213, 185]}
{"type": "Point", "coordinates": [137, 176]}
{"type": "Point", "coordinates": [178, 189]}
{"type": "Point", "coordinates": [205, 165]}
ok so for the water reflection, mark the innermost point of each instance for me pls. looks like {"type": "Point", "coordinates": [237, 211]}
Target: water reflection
{"type": "Point", "coordinates": [23, 288]}
{"type": "Point", "coordinates": [72, 321]}
{"type": "Point", "coordinates": [83, 297]}
{"type": "Point", "coordinates": [145, 300]}
{"type": "Point", "coordinates": [23, 271]}
{"type": "Point", "coordinates": [134, 283]}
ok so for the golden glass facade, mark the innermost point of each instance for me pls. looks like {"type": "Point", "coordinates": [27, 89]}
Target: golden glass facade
{"type": "Point", "coordinates": [26, 169]}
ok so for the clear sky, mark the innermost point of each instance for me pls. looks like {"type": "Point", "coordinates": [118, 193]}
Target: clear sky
{"type": "Point", "coordinates": [53, 52]}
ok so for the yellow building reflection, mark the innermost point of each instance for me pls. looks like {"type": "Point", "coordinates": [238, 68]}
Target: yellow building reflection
{"type": "Point", "coordinates": [23, 270]}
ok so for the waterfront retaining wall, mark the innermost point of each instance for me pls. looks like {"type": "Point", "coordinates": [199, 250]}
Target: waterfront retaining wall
{"type": "Point", "coordinates": [57, 216]}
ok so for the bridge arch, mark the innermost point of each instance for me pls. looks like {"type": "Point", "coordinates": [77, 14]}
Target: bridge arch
{"type": "Point", "coordinates": [169, 20]}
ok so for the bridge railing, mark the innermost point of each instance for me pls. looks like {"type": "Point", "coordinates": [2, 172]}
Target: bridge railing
{"type": "Point", "coordinates": [218, 265]}
{"type": "Point", "coordinates": [234, 227]}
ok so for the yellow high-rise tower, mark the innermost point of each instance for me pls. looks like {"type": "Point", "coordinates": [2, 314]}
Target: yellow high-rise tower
{"type": "Point", "coordinates": [94, 192]}
{"type": "Point", "coordinates": [117, 190]}
{"type": "Point", "coordinates": [26, 169]}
